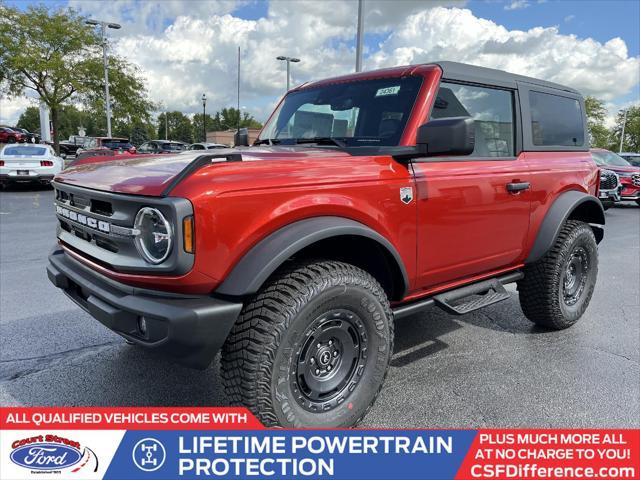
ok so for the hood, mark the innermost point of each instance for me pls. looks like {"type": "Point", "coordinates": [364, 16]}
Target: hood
{"type": "Point", "coordinates": [151, 174]}
{"type": "Point", "coordinates": [619, 169]}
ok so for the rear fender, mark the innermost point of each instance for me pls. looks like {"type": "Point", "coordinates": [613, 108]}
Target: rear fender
{"type": "Point", "coordinates": [571, 205]}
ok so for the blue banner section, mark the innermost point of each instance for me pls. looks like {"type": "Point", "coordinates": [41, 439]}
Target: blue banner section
{"type": "Point", "coordinates": [285, 454]}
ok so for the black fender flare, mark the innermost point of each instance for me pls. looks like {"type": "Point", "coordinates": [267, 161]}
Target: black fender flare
{"type": "Point", "coordinates": [264, 258]}
{"type": "Point", "coordinates": [563, 207]}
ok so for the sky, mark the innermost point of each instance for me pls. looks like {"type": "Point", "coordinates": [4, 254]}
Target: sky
{"type": "Point", "coordinates": [187, 48]}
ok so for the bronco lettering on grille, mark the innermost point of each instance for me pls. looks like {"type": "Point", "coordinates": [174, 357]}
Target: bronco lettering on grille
{"type": "Point", "coordinates": [83, 219]}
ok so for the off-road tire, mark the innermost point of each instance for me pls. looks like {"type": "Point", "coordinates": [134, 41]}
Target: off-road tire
{"type": "Point", "coordinates": [267, 340]}
{"type": "Point", "coordinates": [541, 289]}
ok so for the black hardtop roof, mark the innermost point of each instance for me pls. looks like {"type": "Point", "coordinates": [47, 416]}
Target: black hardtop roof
{"type": "Point", "coordinates": [491, 76]}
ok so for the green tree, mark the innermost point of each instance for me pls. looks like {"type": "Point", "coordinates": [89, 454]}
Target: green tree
{"type": "Point", "coordinates": [70, 119]}
{"type": "Point", "coordinates": [30, 119]}
{"type": "Point", "coordinates": [228, 119]}
{"type": "Point", "coordinates": [197, 126]}
{"type": "Point", "coordinates": [631, 141]}
{"type": "Point", "coordinates": [54, 54]}
{"type": "Point", "coordinates": [179, 127]}
{"type": "Point", "coordinates": [596, 116]}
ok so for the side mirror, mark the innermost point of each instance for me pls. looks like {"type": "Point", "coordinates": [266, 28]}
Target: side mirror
{"type": "Point", "coordinates": [446, 136]}
{"type": "Point", "coordinates": [241, 138]}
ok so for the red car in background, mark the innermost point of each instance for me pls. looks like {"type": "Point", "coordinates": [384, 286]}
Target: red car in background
{"type": "Point", "coordinates": [629, 175]}
{"type": "Point", "coordinates": [112, 143]}
{"type": "Point", "coordinates": [9, 135]}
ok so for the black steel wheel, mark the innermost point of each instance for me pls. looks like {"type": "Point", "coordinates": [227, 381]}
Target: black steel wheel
{"type": "Point", "coordinates": [556, 290]}
{"type": "Point", "coordinates": [325, 367]}
{"type": "Point", "coordinates": [312, 349]}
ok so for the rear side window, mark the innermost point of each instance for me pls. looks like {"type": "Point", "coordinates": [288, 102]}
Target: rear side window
{"type": "Point", "coordinates": [555, 120]}
{"type": "Point", "coordinates": [491, 109]}
{"type": "Point", "coordinates": [30, 151]}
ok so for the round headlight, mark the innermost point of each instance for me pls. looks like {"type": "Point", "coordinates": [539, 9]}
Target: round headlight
{"type": "Point", "coordinates": [155, 237]}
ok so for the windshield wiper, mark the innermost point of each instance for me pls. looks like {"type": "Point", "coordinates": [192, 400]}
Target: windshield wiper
{"type": "Point", "coordinates": [268, 141]}
{"type": "Point", "coordinates": [324, 140]}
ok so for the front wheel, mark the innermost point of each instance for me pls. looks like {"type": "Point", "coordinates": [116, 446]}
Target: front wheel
{"type": "Point", "coordinates": [556, 290]}
{"type": "Point", "coordinates": [312, 349]}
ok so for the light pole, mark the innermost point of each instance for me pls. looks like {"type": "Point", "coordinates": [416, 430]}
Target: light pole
{"type": "Point", "coordinates": [104, 26]}
{"type": "Point", "coordinates": [624, 124]}
{"type": "Point", "coordinates": [359, 36]}
{"type": "Point", "coordinates": [289, 60]}
{"type": "Point", "coordinates": [204, 118]}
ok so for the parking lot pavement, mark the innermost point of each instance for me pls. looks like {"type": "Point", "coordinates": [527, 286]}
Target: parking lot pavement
{"type": "Point", "coordinates": [490, 368]}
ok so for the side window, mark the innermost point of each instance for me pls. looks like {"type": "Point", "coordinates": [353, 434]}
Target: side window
{"type": "Point", "coordinates": [555, 120]}
{"type": "Point", "coordinates": [491, 109]}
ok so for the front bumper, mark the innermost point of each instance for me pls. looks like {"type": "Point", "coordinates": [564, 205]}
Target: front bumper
{"type": "Point", "coordinates": [32, 177]}
{"type": "Point", "coordinates": [609, 195]}
{"type": "Point", "coordinates": [189, 328]}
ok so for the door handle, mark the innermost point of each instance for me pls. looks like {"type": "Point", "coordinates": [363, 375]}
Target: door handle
{"type": "Point", "coordinates": [517, 187]}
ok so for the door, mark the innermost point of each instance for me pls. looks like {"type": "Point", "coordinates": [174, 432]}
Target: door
{"type": "Point", "coordinates": [473, 211]}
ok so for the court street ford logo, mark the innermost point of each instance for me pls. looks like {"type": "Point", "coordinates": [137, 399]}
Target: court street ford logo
{"type": "Point", "coordinates": [46, 453]}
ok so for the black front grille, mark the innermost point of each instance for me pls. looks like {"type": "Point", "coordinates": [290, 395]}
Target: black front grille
{"type": "Point", "coordinates": [608, 180]}
{"type": "Point", "coordinates": [98, 226]}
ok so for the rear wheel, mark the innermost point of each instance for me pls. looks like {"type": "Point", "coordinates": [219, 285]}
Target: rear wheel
{"type": "Point", "coordinates": [556, 289]}
{"type": "Point", "coordinates": [11, 140]}
{"type": "Point", "coordinates": [312, 348]}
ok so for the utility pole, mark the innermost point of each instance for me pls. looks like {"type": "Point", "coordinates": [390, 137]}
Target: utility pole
{"type": "Point", "coordinates": [289, 60]}
{"type": "Point", "coordinates": [204, 118]}
{"type": "Point", "coordinates": [359, 36]}
{"type": "Point", "coordinates": [104, 26]}
{"type": "Point", "coordinates": [624, 123]}
{"type": "Point", "coordinates": [238, 128]}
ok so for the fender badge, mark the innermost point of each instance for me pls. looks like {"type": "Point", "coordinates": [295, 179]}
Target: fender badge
{"type": "Point", "coordinates": [406, 195]}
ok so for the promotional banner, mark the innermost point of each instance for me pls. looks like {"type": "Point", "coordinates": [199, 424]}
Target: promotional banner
{"type": "Point", "coordinates": [168, 443]}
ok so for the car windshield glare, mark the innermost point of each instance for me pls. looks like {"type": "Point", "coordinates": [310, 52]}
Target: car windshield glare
{"type": "Point", "coordinates": [117, 144]}
{"type": "Point", "coordinates": [172, 146]}
{"type": "Point", "coordinates": [30, 151]}
{"type": "Point", "coordinates": [359, 113]}
{"type": "Point", "coordinates": [610, 158]}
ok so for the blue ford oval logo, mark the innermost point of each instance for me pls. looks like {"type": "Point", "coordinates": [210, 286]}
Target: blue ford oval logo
{"type": "Point", "coordinates": [45, 456]}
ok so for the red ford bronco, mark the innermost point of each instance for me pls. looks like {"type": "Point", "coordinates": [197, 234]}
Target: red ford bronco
{"type": "Point", "coordinates": [366, 198]}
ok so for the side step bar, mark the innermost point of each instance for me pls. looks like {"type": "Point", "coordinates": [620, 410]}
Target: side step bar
{"type": "Point", "coordinates": [486, 292]}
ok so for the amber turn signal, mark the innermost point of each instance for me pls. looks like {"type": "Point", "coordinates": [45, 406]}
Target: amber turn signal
{"type": "Point", "coordinates": [188, 235]}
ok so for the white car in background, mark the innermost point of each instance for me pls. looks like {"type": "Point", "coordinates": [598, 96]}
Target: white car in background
{"type": "Point", "coordinates": [22, 163]}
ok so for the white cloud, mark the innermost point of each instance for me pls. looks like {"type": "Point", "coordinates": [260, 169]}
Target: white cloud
{"type": "Point", "coordinates": [10, 109]}
{"type": "Point", "coordinates": [185, 49]}
{"type": "Point", "coordinates": [517, 5]}
{"type": "Point", "coordinates": [604, 70]}
{"type": "Point", "coordinates": [569, 18]}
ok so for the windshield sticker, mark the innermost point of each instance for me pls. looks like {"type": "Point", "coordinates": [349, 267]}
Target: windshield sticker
{"type": "Point", "coordinates": [388, 91]}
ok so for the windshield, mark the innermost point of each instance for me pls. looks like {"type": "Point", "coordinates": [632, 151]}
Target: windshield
{"type": "Point", "coordinates": [634, 160]}
{"type": "Point", "coordinates": [609, 158]}
{"type": "Point", "coordinates": [360, 113]}
{"type": "Point", "coordinates": [115, 144]}
{"type": "Point", "coordinates": [31, 151]}
{"type": "Point", "coordinates": [173, 147]}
